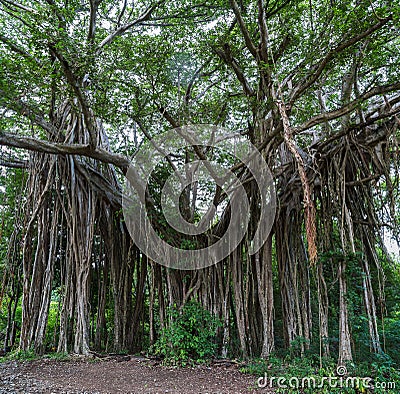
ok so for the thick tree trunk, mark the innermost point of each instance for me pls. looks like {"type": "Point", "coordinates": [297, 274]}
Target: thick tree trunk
{"type": "Point", "coordinates": [82, 207]}
{"type": "Point", "coordinates": [152, 296]}
{"type": "Point", "coordinates": [68, 302]}
{"type": "Point", "coordinates": [47, 283]}
{"type": "Point", "coordinates": [9, 338]}
{"type": "Point", "coordinates": [224, 279]}
{"type": "Point", "coordinates": [287, 272]}
{"type": "Point", "coordinates": [38, 265]}
{"type": "Point", "coordinates": [100, 339]}
{"type": "Point", "coordinates": [237, 280]}
{"type": "Point", "coordinates": [323, 311]}
{"type": "Point", "coordinates": [138, 311]}
{"type": "Point", "coordinates": [345, 353]}
{"type": "Point", "coordinates": [263, 263]}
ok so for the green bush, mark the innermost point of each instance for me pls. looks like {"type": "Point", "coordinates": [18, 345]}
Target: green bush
{"type": "Point", "coordinates": [20, 355]}
{"type": "Point", "coordinates": [392, 336]}
{"type": "Point", "coordinates": [382, 370]}
{"type": "Point", "coordinates": [190, 335]}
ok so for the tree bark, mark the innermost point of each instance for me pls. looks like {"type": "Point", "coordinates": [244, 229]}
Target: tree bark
{"type": "Point", "coordinates": [345, 353]}
{"type": "Point", "coordinates": [263, 263]}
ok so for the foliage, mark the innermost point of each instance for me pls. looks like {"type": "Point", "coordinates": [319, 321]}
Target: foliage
{"type": "Point", "coordinates": [190, 335]}
{"type": "Point", "coordinates": [29, 355]}
{"type": "Point", "coordinates": [391, 333]}
{"type": "Point", "coordinates": [58, 356]}
{"type": "Point", "coordinates": [20, 355]}
{"type": "Point", "coordinates": [382, 370]}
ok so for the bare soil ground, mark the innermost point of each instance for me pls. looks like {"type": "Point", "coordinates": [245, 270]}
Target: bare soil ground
{"type": "Point", "coordinates": [135, 375]}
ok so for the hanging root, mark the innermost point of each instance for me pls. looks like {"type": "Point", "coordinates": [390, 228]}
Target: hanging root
{"type": "Point", "coordinates": [309, 207]}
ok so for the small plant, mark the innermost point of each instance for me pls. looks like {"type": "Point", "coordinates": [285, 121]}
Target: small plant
{"type": "Point", "coordinates": [190, 336]}
{"type": "Point", "coordinates": [20, 355]}
{"type": "Point", "coordinates": [58, 356]}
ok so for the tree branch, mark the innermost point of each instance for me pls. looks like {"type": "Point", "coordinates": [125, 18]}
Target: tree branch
{"type": "Point", "coordinates": [17, 49]}
{"type": "Point", "coordinates": [13, 162]}
{"type": "Point", "coordinates": [326, 116]}
{"type": "Point", "coordinates": [74, 83]}
{"type": "Point", "coordinates": [121, 14]}
{"type": "Point", "coordinates": [94, 4]}
{"type": "Point", "coordinates": [25, 110]}
{"type": "Point", "coordinates": [318, 68]}
{"type": "Point", "coordinates": [246, 35]}
{"type": "Point", "coordinates": [226, 56]}
{"type": "Point", "coordinates": [122, 29]}
{"type": "Point", "coordinates": [22, 7]}
{"type": "Point", "coordinates": [37, 145]}
{"type": "Point", "coordinates": [168, 117]}
{"type": "Point", "coordinates": [193, 80]}
{"type": "Point", "coordinates": [262, 25]}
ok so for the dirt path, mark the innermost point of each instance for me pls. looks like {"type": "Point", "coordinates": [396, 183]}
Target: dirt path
{"type": "Point", "coordinates": [134, 376]}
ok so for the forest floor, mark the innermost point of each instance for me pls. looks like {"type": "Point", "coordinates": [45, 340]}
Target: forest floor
{"type": "Point", "coordinates": [130, 375]}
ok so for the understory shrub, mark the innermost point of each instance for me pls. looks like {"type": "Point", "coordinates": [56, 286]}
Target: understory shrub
{"type": "Point", "coordinates": [189, 336]}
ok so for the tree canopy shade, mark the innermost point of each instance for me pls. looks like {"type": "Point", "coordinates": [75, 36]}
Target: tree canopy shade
{"type": "Point", "coordinates": [313, 85]}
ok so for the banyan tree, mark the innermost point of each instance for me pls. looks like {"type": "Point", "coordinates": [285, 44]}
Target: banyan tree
{"type": "Point", "coordinates": [314, 86]}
